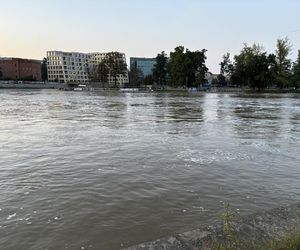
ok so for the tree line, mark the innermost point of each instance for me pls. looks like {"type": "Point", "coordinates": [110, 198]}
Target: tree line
{"type": "Point", "coordinates": [183, 68]}
{"type": "Point", "coordinates": [255, 68]}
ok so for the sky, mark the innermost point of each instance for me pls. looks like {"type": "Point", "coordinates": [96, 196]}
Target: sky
{"type": "Point", "coordinates": [144, 28]}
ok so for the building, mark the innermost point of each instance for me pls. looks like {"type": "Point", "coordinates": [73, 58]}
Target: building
{"type": "Point", "coordinates": [20, 69]}
{"type": "Point", "coordinates": [210, 77]}
{"type": "Point", "coordinates": [69, 67]}
{"type": "Point", "coordinates": [146, 65]}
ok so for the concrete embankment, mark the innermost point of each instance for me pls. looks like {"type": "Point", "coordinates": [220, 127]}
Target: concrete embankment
{"type": "Point", "coordinates": [257, 231]}
{"type": "Point", "coordinates": [32, 85]}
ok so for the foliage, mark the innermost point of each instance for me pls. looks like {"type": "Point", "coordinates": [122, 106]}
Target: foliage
{"type": "Point", "coordinates": [292, 242]}
{"type": "Point", "coordinates": [254, 68]}
{"type": "Point", "coordinates": [226, 69]}
{"type": "Point", "coordinates": [296, 72]}
{"type": "Point", "coordinates": [148, 80]}
{"type": "Point", "coordinates": [44, 70]}
{"type": "Point", "coordinates": [135, 77]}
{"type": "Point", "coordinates": [160, 69]}
{"type": "Point", "coordinates": [231, 240]}
{"type": "Point", "coordinates": [178, 67]}
{"type": "Point", "coordinates": [284, 64]}
{"type": "Point", "coordinates": [113, 64]}
{"type": "Point", "coordinates": [187, 68]}
{"type": "Point", "coordinates": [99, 73]}
{"type": "Point", "coordinates": [198, 68]}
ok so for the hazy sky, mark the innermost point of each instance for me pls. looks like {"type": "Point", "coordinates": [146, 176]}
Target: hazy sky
{"type": "Point", "coordinates": [28, 28]}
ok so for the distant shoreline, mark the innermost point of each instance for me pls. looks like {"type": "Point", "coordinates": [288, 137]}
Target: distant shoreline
{"type": "Point", "coordinates": [31, 85]}
{"type": "Point", "coordinates": [61, 86]}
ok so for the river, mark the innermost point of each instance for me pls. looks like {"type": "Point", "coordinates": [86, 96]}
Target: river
{"type": "Point", "coordinates": [92, 170]}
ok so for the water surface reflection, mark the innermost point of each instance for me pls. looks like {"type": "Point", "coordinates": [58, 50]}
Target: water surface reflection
{"type": "Point", "coordinates": [105, 170]}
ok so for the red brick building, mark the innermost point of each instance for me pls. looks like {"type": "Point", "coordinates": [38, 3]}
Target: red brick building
{"type": "Point", "coordinates": [20, 69]}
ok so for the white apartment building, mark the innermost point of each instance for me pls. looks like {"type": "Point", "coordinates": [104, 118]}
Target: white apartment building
{"type": "Point", "coordinates": [69, 67]}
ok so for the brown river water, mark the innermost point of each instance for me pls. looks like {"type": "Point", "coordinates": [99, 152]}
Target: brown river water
{"type": "Point", "coordinates": [92, 170]}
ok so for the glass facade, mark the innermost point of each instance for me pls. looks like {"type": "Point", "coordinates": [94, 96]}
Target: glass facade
{"type": "Point", "coordinates": [146, 65]}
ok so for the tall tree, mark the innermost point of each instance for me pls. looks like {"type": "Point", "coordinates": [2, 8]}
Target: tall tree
{"type": "Point", "coordinates": [196, 67]}
{"type": "Point", "coordinates": [148, 80]}
{"type": "Point", "coordinates": [44, 69]}
{"type": "Point", "coordinates": [180, 67]}
{"type": "Point", "coordinates": [99, 73]}
{"type": "Point", "coordinates": [284, 64]}
{"type": "Point", "coordinates": [115, 64]}
{"type": "Point", "coordinates": [160, 69]}
{"type": "Point", "coordinates": [242, 63]}
{"type": "Point", "coordinates": [135, 77]}
{"type": "Point", "coordinates": [187, 68]}
{"type": "Point", "coordinates": [254, 68]}
{"type": "Point", "coordinates": [296, 72]}
{"type": "Point", "coordinates": [226, 69]}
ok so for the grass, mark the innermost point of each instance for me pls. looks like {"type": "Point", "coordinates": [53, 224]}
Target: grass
{"type": "Point", "coordinates": [291, 242]}
{"type": "Point", "coordinates": [231, 242]}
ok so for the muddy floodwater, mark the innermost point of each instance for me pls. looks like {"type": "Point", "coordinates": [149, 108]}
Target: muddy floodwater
{"type": "Point", "coordinates": [92, 170]}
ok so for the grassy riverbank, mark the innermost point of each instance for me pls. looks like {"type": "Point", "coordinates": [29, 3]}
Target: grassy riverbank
{"type": "Point", "coordinates": [232, 241]}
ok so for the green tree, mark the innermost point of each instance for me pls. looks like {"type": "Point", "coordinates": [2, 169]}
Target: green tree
{"type": "Point", "coordinates": [148, 80]}
{"type": "Point", "coordinates": [284, 64]}
{"type": "Point", "coordinates": [44, 69]}
{"type": "Point", "coordinates": [261, 74]}
{"type": "Point", "coordinates": [115, 64]}
{"type": "Point", "coordinates": [187, 68]}
{"type": "Point", "coordinates": [226, 69]}
{"type": "Point", "coordinates": [296, 72]}
{"type": "Point", "coordinates": [160, 69]}
{"type": "Point", "coordinates": [196, 67]}
{"type": "Point", "coordinates": [254, 68]}
{"type": "Point", "coordinates": [135, 77]}
{"type": "Point", "coordinates": [99, 73]}
{"type": "Point", "coordinates": [242, 63]}
{"type": "Point", "coordinates": [179, 67]}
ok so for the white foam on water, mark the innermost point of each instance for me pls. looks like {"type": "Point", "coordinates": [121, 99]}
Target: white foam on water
{"type": "Point", "coordinates": [194, 156]}
{"type": "Point", "coordinates": [11, 216]}
{"type": "Point", "coordinates": [200, 208]}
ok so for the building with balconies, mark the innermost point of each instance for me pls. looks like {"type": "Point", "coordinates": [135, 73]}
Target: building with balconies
{"type": "Point", "coordinates": [68, 67]}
